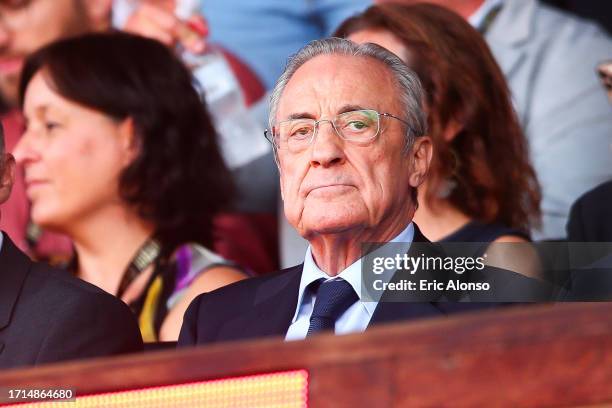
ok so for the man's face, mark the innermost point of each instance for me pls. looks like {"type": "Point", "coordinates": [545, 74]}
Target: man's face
{"type": "Point", "coordinates": [26, 25]}
{"type": "Point", "coordinates": [335, 185]}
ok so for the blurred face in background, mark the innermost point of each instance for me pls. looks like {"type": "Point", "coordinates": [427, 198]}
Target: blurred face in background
{"type": "Point", "coordinates": [72, 156]}
{"type": "Point", "coordinates": [383, 38]}
{"type": "Point", "coordinates": [26, 25]}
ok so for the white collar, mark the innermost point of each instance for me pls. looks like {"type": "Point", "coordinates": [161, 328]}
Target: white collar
{"type": "Point", "coordinates": [477, 18]}
{"type": "Point", "coordinates": [352, 274]}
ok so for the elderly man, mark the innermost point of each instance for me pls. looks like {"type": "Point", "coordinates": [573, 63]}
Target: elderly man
{"type": "Point", "coordinates": [348, 131]}
{"type": "Point", "coordinates": [48, 316]}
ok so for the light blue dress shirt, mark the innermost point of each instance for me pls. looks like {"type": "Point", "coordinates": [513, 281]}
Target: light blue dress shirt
{"type": "Point", "coordinates": [357, 317]}
{"type": "Point", "coordinates": [478, 17]}
{"type": "Point", "coordinates": [0, 240]}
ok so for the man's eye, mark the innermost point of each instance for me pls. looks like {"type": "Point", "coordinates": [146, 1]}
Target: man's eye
{"type": "Point", "coordinates": [301, 132]}
{"type": "Point", "coordinates": [356, 125]}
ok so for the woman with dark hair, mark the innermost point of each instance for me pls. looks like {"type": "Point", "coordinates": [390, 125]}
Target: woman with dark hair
{"type": "Point", "coordinates": [120, 155]}
{"type": "Point", "coordinates": [481, 186]}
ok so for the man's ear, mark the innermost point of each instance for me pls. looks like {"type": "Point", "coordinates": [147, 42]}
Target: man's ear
{"type": "Point", "coordinates": [421, 152]}
{"type": "Point", "coordinates": [98, 13]}
{"type": "Point", "coordinates": [280, 180]}
{"type": "Point", "coordinates": [7, 176]}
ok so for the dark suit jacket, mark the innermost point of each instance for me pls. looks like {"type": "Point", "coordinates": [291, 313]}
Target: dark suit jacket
{"type": "Point", "coordinates": [47, 315]}
{"type": "Point", "coordinates": [590, 218]}
{"type": "Point", "coordinates": [264, 306]}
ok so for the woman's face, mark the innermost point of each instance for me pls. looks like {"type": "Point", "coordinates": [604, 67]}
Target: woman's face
{"type": "Point", "coordinates": [72, 157]}
{"type": "Point", "coordinates": [381, 37]}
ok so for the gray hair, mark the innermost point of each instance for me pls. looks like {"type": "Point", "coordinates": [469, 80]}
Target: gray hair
{"type": "Point", "coordinates": [410, 90]}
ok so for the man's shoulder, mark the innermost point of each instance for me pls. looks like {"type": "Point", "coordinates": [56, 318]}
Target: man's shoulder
{"type": "Point", "coordinates": [55, 316]}
{"type": "Point", "coordinates": [590, 217]}
{"type": "Point", "coordinates": [243, 292]}
{"type": "Point", "coordinates": [222, 313]}
{"type": "Point", "coordinates": [41, 281]}
{"type": "Point", "coordinates": [598, 195]}
{"type": "Point", "coordinates": [52, 290]}
{"type": "Point", "coordinates": [593, 206]}
{"type": "Point", "coordinates": [59, 285]}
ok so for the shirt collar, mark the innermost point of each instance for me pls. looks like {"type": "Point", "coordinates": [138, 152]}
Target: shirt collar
{"type": "Point", "coordinates": [352, 274]}
{"type": "Point", "coordinates": [478, 17]}
{"type": "Point", "coordinates": [1, 240]}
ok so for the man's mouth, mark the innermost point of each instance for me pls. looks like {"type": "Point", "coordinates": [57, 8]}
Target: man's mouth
{"type": "Point", "coordinates": [329, 189]}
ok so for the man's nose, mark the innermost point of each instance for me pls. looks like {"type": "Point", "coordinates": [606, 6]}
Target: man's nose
{"type": "Point", "coordinates": [327, 146]}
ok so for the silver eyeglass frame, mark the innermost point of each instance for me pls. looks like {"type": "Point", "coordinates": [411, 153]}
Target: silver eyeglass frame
{"type": "Point", "coordinates": [270, 137]}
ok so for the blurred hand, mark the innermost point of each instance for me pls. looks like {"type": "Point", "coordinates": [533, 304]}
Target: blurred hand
{"type": "Point", "coordinates": [159, 22]}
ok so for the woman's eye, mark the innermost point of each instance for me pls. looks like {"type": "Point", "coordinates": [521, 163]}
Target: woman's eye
{"type": "Point", "coordinates": [49, 126]}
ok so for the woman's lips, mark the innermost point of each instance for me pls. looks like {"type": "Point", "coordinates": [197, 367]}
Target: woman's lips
{"type": "Point", "coordinates": [32, 185]}
{"type": "Point", "coordinates": [10, 65]}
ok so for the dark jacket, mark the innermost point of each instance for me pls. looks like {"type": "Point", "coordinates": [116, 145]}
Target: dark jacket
{"type": "Point", "coordinates": [264, 306]}
{"type": "Point", "coordinates": [590, 218]}
{"type": "Point", "coordinates": [47, 316]}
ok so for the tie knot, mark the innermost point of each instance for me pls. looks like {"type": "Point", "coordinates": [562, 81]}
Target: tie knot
{"type": "Point", "coordinates": [334, 297]}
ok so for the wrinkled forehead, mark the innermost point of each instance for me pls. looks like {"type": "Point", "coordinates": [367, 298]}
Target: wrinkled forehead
{"type": "Point", "coordinates": [327, 84]}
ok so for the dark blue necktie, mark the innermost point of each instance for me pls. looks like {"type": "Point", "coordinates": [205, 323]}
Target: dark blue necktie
{"type": "Point", "coordinates": [334, 297]}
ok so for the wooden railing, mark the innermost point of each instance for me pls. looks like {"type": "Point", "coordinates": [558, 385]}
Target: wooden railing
{"type": "Point", "coordinates": [539, 355]}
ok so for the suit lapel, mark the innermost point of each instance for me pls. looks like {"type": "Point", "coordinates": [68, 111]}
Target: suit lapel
{"type": "Point", "coordinates": [14, 268]}
{"type": "Point", "coordinates": [274, 304]}
{"type": "Point", "coordinates": [390, 311]}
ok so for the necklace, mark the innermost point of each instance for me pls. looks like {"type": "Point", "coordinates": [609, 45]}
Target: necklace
{"type": "Point", "coordinates": [146, 255]}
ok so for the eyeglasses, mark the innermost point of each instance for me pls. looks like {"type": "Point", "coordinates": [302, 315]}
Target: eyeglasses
{"type": "Point", "coordinates": [359, 126]}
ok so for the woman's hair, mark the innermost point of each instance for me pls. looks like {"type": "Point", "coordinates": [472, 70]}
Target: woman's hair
{"type": "Point", "coordinates": [178, 180]}
{"type": "Point", "coordinates": [466, 96]}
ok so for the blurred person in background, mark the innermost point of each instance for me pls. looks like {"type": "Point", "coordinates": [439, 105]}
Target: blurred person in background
{"type": "Point", "coordinates": [481, 187]}
{"type": "Point", "coordinates": [266, 33]}
{"type": "Point", "coordinates": [549, 57]}
{"type": "Point", "coordinates": [120, 155]}
{"type": "Point", "coordinates": [247, 230]}
{"type": "Point", "coordinates": [47, 316]}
